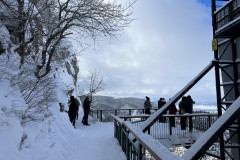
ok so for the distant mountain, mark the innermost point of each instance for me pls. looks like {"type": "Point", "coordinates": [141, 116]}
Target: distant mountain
{"type": "Point", "coordinates": [106, 102]}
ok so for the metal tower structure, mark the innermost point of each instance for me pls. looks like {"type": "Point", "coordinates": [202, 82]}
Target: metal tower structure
{"type": "Point", "coordinates": [226, 46]}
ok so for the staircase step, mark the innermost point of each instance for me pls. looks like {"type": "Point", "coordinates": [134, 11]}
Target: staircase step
{"type": "Point", "coordinates": [227, 102]}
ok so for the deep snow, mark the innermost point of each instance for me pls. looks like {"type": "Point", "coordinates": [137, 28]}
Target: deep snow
{"type": "Point", "coordinates": [54, 138]}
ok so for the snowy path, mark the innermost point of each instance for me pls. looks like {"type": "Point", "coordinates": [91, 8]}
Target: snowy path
{"type": "Point", "coordinates": [95, 142]}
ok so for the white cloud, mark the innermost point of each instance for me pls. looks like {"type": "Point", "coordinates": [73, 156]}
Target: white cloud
{"type": "Point", "coordinates": [165, 48]}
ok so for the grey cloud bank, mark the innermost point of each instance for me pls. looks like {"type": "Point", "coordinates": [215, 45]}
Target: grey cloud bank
{"type": "Point", "coordinates": [164, 49]}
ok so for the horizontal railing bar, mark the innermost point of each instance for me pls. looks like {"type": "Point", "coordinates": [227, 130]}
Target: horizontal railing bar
{"type": "Point", "coordinates": [122, 109]}
{"type": "Point", "coordinates": [170, 115]}
{"type": "Point", "coordinates": [116, 118]}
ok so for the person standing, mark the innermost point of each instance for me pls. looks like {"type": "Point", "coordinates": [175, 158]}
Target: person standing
{"type": "Point", "coordinates": [189, 109]}
{"type": "Point", "coordinates": [73, 109]}
{"type": "Point", "coordinates": [182, 111]}
{"type": "Point", "coordinates": [172, 110]}
{"type": "Point", "coordinates": [161, 103]}
{"type": "Point", "coordinates": [147, 105]}
{"type": "Point", "coordinates": [86, 106]}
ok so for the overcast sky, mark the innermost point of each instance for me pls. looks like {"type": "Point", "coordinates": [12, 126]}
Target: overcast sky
{"type": "Point", "coordinates": [162, 51]}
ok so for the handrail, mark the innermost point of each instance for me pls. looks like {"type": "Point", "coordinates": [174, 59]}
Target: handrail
{"type": "Point", "coordinates": [170, 115]}
{"type": "Point", "coordinates": [153, 146]}
{"type": "Point", "coordinates": [151, 120]}
{"type": "Point", "coordinates": [97, 111]}
{"type": "Point", "coordinates": [121, 109]}
{"type": "Point", "coordinates": [211, 135]}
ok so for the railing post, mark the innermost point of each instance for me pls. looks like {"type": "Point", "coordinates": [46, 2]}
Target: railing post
{"type": "Point", "coordinates": [170, 127]}
{"type": "Point", "coordinates": [101, 116]}
{"type": "Point", "coordinates": [140, 152]}
{"type": "Point", "coordinates": [130, 112]}
{"type": "Point", "coordinates": [190, 123]}
{"type": "Point", "coordinates": [127, 145]}
{"type": "Point", "coordinates": [97, 115]}
{"type": "Point", "coordinates": [115, 129]}
{"type": "Point", "coordinates": [209, 121]}
{"type": "Point", "coordinates": [115, 112]}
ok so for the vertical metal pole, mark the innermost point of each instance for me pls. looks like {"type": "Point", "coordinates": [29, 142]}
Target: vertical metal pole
{"type": "Point", "coordinates": [101, 116]}
{"type": "Point", "coordinates": [115, 112]}
{"type": "Point", "coordinates": [97, 114]}
{"type": "Point", "coordinates": [235, 69]}
{"type": "Point", "coordinates": [209, 121]}
{"type": "Point", "coordinates": [140, 152]}
{"type": "Point", "coordinates": [235, 72]}
{"type": "Point", "coordinates": [127, 146]}
{"type": "Point", "coordinates": [115, 128]}
{"type": "Point", "coordinates": [170, 127]}
{"type": "Point", "coordinates": [217, 77]}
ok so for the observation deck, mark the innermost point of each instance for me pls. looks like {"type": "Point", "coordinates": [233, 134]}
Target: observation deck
{"type": "Point", "coordinates": [227, 19]}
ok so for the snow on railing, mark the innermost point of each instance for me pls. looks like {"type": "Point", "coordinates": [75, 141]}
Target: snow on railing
{"type": "Point", "coordinates": [139, 145]}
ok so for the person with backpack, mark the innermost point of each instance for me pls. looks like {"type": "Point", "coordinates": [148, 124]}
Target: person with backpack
{"type": "Point", "coordinates": [73, 110]}
{"type": "Point", "coordinates": [86, 107]}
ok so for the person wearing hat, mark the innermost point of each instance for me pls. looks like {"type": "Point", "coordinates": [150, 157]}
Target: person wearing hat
{"type": "Point", "coordinates": [147, 105]}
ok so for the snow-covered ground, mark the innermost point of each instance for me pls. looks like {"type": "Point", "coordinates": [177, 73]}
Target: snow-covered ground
{"type": "Point", "coordinates": [54, 138]}
{"type": "Point", "coordinates": [60, 142]}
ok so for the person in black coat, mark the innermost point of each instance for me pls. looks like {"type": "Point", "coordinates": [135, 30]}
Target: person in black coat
{"type": "Point", "coordinates": [73, 110]}
{"type": "Point", "coordinates": [86, 107]}
{"type": "Point", "coordinates": [147, 105]}
{"type": "Point", "coordinates": [183, 120]}
{"type": "Point", "coordinates": [161, 103]}
{"type": "Point", "coordinates": [188, 104]}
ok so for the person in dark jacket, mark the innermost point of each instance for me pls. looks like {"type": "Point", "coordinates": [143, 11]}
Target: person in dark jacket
{"type": "Point", "coordinates": [86, 107]}
{"type": "Point", "coordinates": [172, 110]}
{"type": "Point", "coordinates": [188, 105]}
{"type": "Point", "coordinates": [182, 111]}
{"type": "Point", "coordinates": [161, 103]}
{"type": "Point", "coordinates": [73, 110]}
{"type": "Point", "coordinates": [147, 105]}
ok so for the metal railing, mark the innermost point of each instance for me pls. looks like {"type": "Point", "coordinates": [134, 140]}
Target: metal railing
{"type": "Point", "coordinates": [178, 125]}
{"type": "Point", "coordinates": [137, 145]}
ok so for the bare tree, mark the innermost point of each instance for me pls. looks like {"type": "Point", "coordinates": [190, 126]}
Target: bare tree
{"type": "Point", "coordinates": [94, 82]}
{"type": "Point", "coordinates": [54, 20]}
{"type": "Point", "coordinates": [39, 30]}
